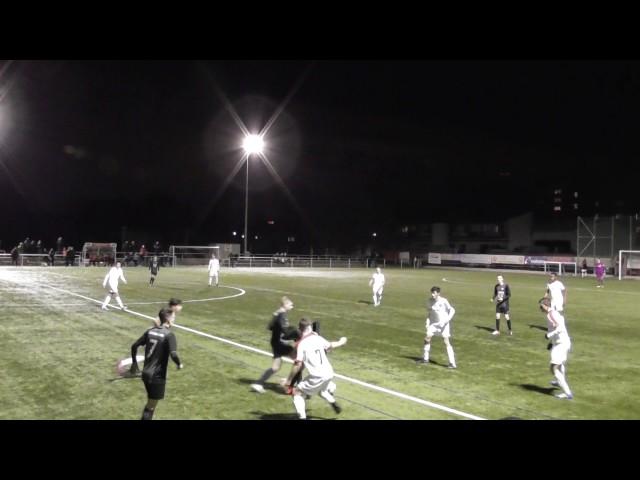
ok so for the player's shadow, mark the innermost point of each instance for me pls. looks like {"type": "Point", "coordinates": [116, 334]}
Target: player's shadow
{"type": "Point", "coordinates": [537, 388]}
{"type": "Point", "coordinates": [274, 387]}
{"type": "Point", "coordinates": [128, 376]}
{"type": "Point", "coordinates": [285, 416]}
{"type": "Point", "coordinates": [366, 302]}
{"type": "Point", "coordinates": [417, 359]}
{"type": "Point", "coordinates": [539, 327]}
{"type": "Point", "coordinates": [480, 327]}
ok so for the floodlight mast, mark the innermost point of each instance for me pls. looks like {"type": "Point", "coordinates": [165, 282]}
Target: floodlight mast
{"type": "Point", "coordinates": [251, 144]}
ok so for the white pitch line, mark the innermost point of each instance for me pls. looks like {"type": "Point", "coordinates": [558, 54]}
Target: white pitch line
{"type": "Point", "coordinates": [262, 352]}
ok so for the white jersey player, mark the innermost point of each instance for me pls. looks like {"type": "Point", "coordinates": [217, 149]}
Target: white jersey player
{"type": "Point", "coordinates": [312, 354]}
{"type": "Point", "coordinates": [111, 279]}
{"type": "Point", "coordinates": [560, 346]}
{"type": "Point", "coordinates": [377, 284]}
{"type": "Point", "coordinates": [557, 292]}
{"type": "Point", "coordinates": [439, 315]}
{"type": "Point", "coordinates": [214, 269]}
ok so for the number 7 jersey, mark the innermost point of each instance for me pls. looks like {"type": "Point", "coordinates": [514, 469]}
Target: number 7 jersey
{"type": "Point", "coordinates": [312, 352]}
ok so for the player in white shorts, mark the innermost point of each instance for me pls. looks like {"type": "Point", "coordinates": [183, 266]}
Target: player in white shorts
{"type": "Point", "coordinates": [312, 354]}
{"type": "Point", "coordinates": [439, 315]}
{"type": "Point", "coordinates": [557, 292]}
{"type": "Point", "coordinates": [377, 284]}
{"type": "Point", "coordinates": [560, 346]}
{"type": "Point", "coordinates": [112, 278]}
{"type": "Point", "coordinates": [214, 269]}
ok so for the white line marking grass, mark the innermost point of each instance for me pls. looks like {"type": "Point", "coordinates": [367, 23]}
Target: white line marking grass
{"type": "Point", "coordinates": [388, 391]}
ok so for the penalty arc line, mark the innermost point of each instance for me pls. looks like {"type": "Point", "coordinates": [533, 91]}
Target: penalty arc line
{"type": "Point", "coordinates": [370, 386]}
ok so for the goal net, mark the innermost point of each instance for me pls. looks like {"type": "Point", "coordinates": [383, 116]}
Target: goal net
{"type": "Point", "coordinates": [98, 254]}
{"type": "Point", "coordinates": [561, 268]}
{"type": "Point", "coordinates": [184, 255]}
{"type": "Point", "coordinates": [628, 264]}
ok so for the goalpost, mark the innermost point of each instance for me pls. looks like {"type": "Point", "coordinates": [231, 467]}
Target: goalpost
{"type": "Point", "coordinates": [192, 254]}
{"type": "Point", "coordinates": [628, 263]}
{"type": "Point", "coordinates": [560, 267]}
{"type": "Point", "coordinates": [98, 254]}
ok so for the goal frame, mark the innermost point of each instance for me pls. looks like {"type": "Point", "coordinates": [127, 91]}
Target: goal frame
{"type": "Point", "coordinates": [620, 253]}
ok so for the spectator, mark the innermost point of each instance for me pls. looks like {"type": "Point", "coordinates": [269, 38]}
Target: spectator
{"type": "Point", "coordinates": [143, 254]}
{"type": "Point", "coordinates": [70, 257]}
{"type": "Point", "coordinates": [59, 245]}
{"type": "Point", "coordinates": [52, 257]}
{"type": "Point", "coordinates": [15, 256]}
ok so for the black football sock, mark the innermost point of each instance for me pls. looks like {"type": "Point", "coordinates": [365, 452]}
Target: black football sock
{"type": "Point", "coordinates": [509, 324]}
{"type": "Point", "coordinates": [498, 325]}
{"type": "Point", "coordinates": [265, 376]}
{"type": "Point", "coordinates": [147, 414]}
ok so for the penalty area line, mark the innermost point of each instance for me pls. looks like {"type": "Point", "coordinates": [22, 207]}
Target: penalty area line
{"type": "Point", "coordinates": [355, 381]}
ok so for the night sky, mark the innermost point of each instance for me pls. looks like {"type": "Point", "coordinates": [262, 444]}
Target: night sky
{"type": "Point", "coordinates": [87, 147]}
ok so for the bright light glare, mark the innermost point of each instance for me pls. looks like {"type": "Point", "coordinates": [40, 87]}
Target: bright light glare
{"type": "Point", "coordinates": [253, 144]}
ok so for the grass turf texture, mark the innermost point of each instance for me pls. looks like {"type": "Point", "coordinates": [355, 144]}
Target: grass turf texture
{"type": "Point", "coordinates": [59, 351]}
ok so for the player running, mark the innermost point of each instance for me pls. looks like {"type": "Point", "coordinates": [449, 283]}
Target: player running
{"type": "Point", "coordinates": [112, 278]}
{"type": "Point", "coordinates": [312, 354]}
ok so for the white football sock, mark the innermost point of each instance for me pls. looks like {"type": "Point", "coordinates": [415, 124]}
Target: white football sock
{"type": "Point", "coordinates": [106, 301]}
{"type": "Point", "coordinates": [298, 402]}
{"type": "Point", "coordinates": [327, 396]}
{"type": "Point", "coordinates": [562, 382]}
{"type": "Point", "coordinates": [452, 358]}
{"type": "Point", "coordinates": [427, 349]}
{"type": "Point", "coordinates": [119, 302]}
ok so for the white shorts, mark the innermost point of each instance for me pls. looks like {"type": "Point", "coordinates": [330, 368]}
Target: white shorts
{"type": "Point", "coordinates": [435, 329]}
{"type": "Point", "coordinates": [377, 290]}
{"type": "Point", "coordinates": [213, 274]}
{"type": "Point", "coordinates": [557, 306]}
{"type": "Point", "coordinates": [559, 353]}
{"type": "Point", "coordinates": [113, 290]}
{"type": "Point", "coordinates": [312, 385]}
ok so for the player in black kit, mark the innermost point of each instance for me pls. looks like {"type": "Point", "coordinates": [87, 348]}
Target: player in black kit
{"type": "Point", "coordinates": [281, 346]}
{"type": "Point", "coordinates": [154, 268]}
{"type": "Point", "coordinates": [160, 343]}
{"type": "Point", "coordinates": [501, 295]}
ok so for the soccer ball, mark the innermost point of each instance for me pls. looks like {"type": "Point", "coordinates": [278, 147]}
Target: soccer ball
{"type": "Point", "coordinates": [444, 279]}
{"type": "Point", "coordinates": [123, 366]}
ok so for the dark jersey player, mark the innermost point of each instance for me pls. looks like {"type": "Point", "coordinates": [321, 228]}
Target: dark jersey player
{"type": "Point", "coordinates": [281, 343]}
{"type": "Point", "coordinates": [501, 295]}
{"type": "Point", "coordinates": [160, 343]}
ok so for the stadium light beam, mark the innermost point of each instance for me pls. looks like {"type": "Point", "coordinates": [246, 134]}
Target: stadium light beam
{"type": "Point", "coordinates": [251, 144]}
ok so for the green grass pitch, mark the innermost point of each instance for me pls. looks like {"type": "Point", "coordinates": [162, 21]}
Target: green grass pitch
{"type": "Point", "coordinates": [58, 351]}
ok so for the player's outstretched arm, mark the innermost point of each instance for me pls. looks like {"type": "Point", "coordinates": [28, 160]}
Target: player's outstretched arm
{"type": "Point", "coordinates": [339, 343]}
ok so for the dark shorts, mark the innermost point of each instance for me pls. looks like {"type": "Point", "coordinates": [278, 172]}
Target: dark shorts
{"type": "Point", "coordinates": [155, 390]}
{"type": "Point", "coordinates": [281, 351]}
{"type": "Point", "coordinates": [502, 307]}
